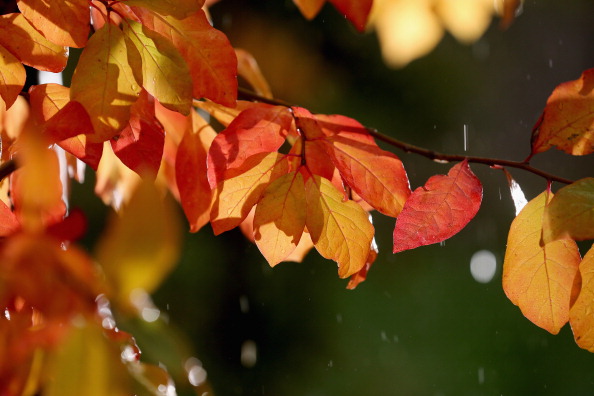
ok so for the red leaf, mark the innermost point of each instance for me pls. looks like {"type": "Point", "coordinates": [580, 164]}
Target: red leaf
{"type": "Point", "coordinates": [140, 144]}
{"type": "Point", "coordinates": [355, 11]}
{"type": "Point", "coordinates": [438, 210]}
{"type": "Point", "coordinates": [8, 221]}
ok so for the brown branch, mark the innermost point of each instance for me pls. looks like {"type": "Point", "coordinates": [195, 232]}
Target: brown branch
{"type": "Point", "coordinates": [7, 168]}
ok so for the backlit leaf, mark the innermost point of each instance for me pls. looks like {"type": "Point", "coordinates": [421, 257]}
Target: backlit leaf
{"type": "Point", "coordinates": [280, 217]}
{"type": "Point", "coordinates": [309, 8]}
{"type": "Point", "coordinates": [571, 212]}
{"type": "Point", "coordinates": [64, 22]}
{"type": "Point", "coordinates": [12, 77]}
{"type": "Point", "coordinates": [356, 11]}
{"type": "Point", "coordinates": [247, 67]}
{"type": "Point", "coordinates": [242, 187]}
{"type": "Point", "coordinates": [581, 316]}
{"type": "Point", "coordinates": [104, 84]}
{"type": "Point", "coordinates": [207, 51]}
{"type": "Point", "coordinates": [141, 247]}
{"type": "Point", "coordinates": [8, 221]}
{"type": "Point", "coordinates": [567, 121]}
{"type": "Point", "coordinates": [260, 129]}
{"type": "Point", "coordinates": [438, 210]}
{"type": "Point", "coordinates": [361, 276]}
{"type": "Point", "coordinates": [29, 46]}
{"type": "Point", "coordinates": [179, 9]}
{"type": "Point", "coordinates": [190, 172]}
{"type": "Point", "coordinates": [159, 67]}
{"type": "Point", "coordinates": [339, 229]}
{"type": "Point", "coordinates": [539, 278]}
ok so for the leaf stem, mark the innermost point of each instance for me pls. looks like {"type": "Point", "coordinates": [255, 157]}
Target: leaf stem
{"type": "Point", "coordinates": [6, 168]}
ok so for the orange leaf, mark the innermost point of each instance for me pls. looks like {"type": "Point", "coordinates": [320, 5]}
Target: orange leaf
{"type": "Point", "coordinates": [242, 187]}
{"type": "Point", "coordinates": [29, 46]}
{"type": "Point", "coordinates": [104, 84]}
{"type": "Point", "coordinates": [580, 315]}
{"type": "Point", "coordinates": [247, 67]}
{"type": "Point", "coordinates": [539, 278]}
{"type": "Point", "coordinates": [339, 229]}
{"type": "Point", "coordinates": [438, 210]}
{"type": "Point", "coordinates": [179, 9]}
{"type": "Point", "coordinates": [12, 77]}
{"type": "Point", "coordinates": [571, 212]}
{"type": "Point", "coordinates": [361, 276]}
{"type": "Point", "coordinates": [280, 217]}
{"type": "Point", "coordinates": [47, 99]}
{"type": "Point", "coordinates": [8, 221]}
{"type": "Point", "coordinates": [567, 121]}
{"type": "Point", "coordinates": [190, 172]}
{"type": "Point", "coordinates": [140, 144]}
{"type": "Point", "coordinates": [207, 51]}
{"type": "Point", "coordinates": [260, 129]}
{"type": "Point", "coordinates": [309, 8]}
{"type": "Point", "coordinates": [63, 23]}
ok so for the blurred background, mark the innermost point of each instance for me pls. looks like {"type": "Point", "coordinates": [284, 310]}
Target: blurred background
{"type": "Point", "coordinates": [422, 323]}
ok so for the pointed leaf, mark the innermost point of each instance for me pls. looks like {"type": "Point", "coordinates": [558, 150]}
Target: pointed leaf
{"type": "Point", "coordinates": [207, 51]}
{"type": "Point", "coordinates": [255, 130]}
{"type": "Point", "coordinates": [8, 221]}
{"type": "Point", "coordinates": [47, 99]}
{"type": "Point", "coordinates": [242, 187]}
{"type": "Point", "coordinates": [63, 23]}
{"type": "Point", "coordinates": [355, 11]}
{"type": "Point", "coordinates": [29, 46]}
{"type": "Point", "coordinates": [361, 276]}
{"type": "Point", "coordinates": [104, 84]}
{"type": "Point", "coordinates": [580, 315]}
{"type": "Point", "coordinates": [309, 8]}
{"type": "Point", "coordinates": [280, 217]}
{"type": "Point", "coordinates": [571, 212]}
{"type": "Point", "coordinates": [568, 118]}
{"type": "Point", "coordinates": [140, 144]}
{"type": "Point", "coordinates": [190, 172]}
{"type": "Point", "coordinates": [537, 278]}
{"type": "Point", "coordinates": [159, 67]}
{"type": "Point", "coordinates": [247, 67]}
{"type": "Point", "coordinates": [339, 229]}
{"type": "Point", "coordinates": [12, 77]}
{"type": "Point", "coordinates": [179, 9]}
{"type": "Point", "coordinates": [438, 210]}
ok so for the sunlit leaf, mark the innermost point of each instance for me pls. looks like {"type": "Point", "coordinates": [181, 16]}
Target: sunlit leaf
{"type": "Point", "coordinates": [356, 11]}
{"type": "Point", "coordinates": [179, 9]}
{"type": "Point", "coordinates": [159, 67]}
{"type": "Point", "coordinates": [242, 187]}
{"type": "Point", "coordinates": [207, 51]}
{"type": "Point", "coordinates": [361, 276]}
{"type": "Point", "coordinates": [571, 212]}
{"type": "Point", "coordinates": [12, 77]}
{"type": "Point", "coordinates": [539, 278]}
{"type": "Point", "coordinates": [104, 84]}
{"type": "Point", "coordinates": [141, 247]}
{"type": "Point", "coordinates": [581, 317]}
{"type": "Point", "coordinates": [190, 172]}
{"type": "Point", "coordinates": [516, 192]}
{"type": "Point", "coordinates": [247, 67]}
{"type": "Point", "coordinates": [63, 23]}
{"type": "Point", "coordinates": [8, 220]}
{"type": "Point", "coordinates": [339, 229]}
{"type": "Point", "coordinates": [280, 217]}
{"type": "Point", "coordinates": [309, 8]}
{"type": "Point", "coordinates": [438, 210]}
{"type": "Point", "coordinates": [567, 121]}
{"type": "Point", "coordinates": [29, 46]}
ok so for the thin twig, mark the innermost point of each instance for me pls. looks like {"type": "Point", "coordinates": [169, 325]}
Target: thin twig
{"type": "Point", "coordinates": [6, 168]}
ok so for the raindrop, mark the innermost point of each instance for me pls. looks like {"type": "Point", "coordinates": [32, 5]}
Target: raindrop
{"type": "Point", "coordinates": [330, 363]}
{"type": "Point", "coordinates": [551, 63]}
{"type": "Point", "coordinates": [481, 375]}
{"type": "Point", "coordinates": [384, 336]}
{"type": "Point", "coordinates": [483, 266]}
{"type": "Point", "coordinates": [249, 354]}
{"type": "Point", "coordinates": [244, 304]}
{"type": "Point", "coordinates": [442, 243]}
{"type": "Point", "coordinates": [338, 318]}
{"type": "Point", "coordinates": [465, 137]}
{"type": "Point", "coordinates": [150, 314]}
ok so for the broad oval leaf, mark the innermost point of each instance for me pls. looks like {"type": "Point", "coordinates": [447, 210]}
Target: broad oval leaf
{"type": "Point", "coordinates": [438, 210]}
{"type": "Point", "coordinates": [581, 315]}
{"type": "Point", "coordinates": [12, 77]}
{"type": "Point", "coordinates": [159, 67]}
{"type": "Point", "coordinates": [63, 23]}
{"type": "Point", "coordinates": [339, 229]}
{"type": "Point", "coordinates": [539, 278]}
{"type": "Point", "coordinates": [179, 9]}
{"type": "Point", "coordinates": [104, 84]}
{"type": "Point", "coordinates": [567, 121]}
{"type": "Point", "coordinates": [571, 212]}
{"type": "Point", "coordinates": [280, 217]}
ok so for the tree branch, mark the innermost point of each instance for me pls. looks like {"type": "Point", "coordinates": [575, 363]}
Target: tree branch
{"type": "Point", "coordinates": [6, 168]}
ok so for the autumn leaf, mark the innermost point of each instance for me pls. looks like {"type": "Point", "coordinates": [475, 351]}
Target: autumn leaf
{"type": "Point", "coordinates": [190, 171]}
{"type": "Point", "coordinates": [567, 121]}
{"type": "Point", "coordinates": [242, 187]}
{"type": "Point", "coordinates": [260, 129]}
{"type": "Point", "coordinates": [539, 278]}
{"type": "Point", "coordinates": [339, 229]}
{"type": "Point", "coordinates": [158, 67]}
{"type": "Point", "coordinates": [63, 23]}
{"type": "Point", "coordinates": [247, 67]}
{"type": "Point", "coordinates": [179, 9]}
{"type": "Point", "coordinates": [355, 11]}
{"type": "Point", "coordinates": [280, 217]}
{"type": "Point", "coordinates": [104, 84]}
{"type": "Point", "coordinates": [361, 276]}
{"type": "Point", "coordinates": [580, 315]}
{"type": "Point", "coordinates": [8, 221]}
{"type": "Point", "coordinates": [29, 46]}
{"type": "Point", "coordinates": [438, 210]}
{"type": "Point", "coordinates": [207, 51]}
{"type": "Point", "coordinates": [571, 212]}
{"type": "Point", "coordinates": [12, 77]}
{"type": "Point", "coordinates": [309, 8]}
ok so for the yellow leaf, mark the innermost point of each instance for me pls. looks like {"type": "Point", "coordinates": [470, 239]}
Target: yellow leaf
{"type": "Point", "coordinates": [159, 67]}
{"type": "Point", "coordinates": [142, 246]}
{"type": "Point", "coordinates": [242, 187]}
{"type": "Point", "coordinates": [280, 217]}
{"type": "Point", "coordinates": [339, 229]}
{"type": "Point", "coordinates": [12, 77]}
{"type": "Point", "coordinates": [539, 278]}
{"type": "Point", "coordinates": [581, 315]}
{"type": "Point", "coordinates": [104, 84]}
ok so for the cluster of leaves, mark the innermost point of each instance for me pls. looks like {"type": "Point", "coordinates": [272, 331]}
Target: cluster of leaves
{"type": "Point", "coordinates": [152, 80]}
